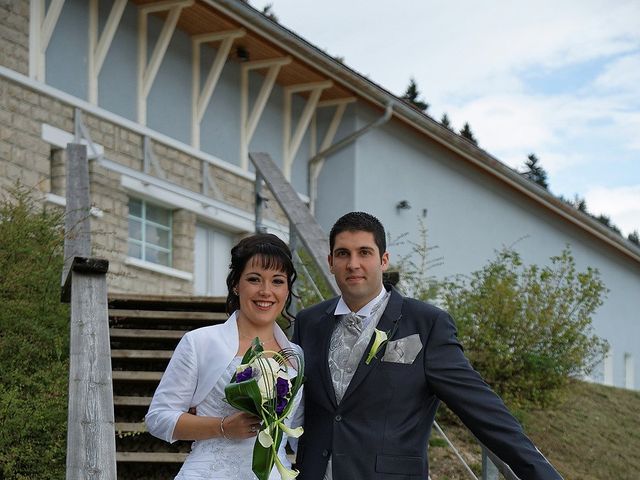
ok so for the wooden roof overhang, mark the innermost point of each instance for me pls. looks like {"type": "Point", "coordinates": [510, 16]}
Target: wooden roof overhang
{"type": "Point", "coordinates": [266, 39]}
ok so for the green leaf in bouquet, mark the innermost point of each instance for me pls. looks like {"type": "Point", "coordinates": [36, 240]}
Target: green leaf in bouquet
{"type": "Point", "coordinates": [244, 396]}
{"type": "Point", "coordinates": [264, 458]}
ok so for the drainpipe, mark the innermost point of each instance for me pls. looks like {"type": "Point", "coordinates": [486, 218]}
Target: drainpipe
{"type": "Point", "coordinates": [317, 161]}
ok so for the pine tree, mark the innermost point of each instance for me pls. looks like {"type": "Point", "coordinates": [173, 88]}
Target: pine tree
{"type": "Point", "coordinates": [411, 96]}
{"type": "Point", "coordinates": [606, 221]}
{"type": "Point", "coordinates": [268, 12]}
{"type": "Point", "coordinates": [445, 122]}
{"type": "Point", "coordinates": [468, 134]}
{"type": "Point", "coordinates": [535, 172]}
{"type": "Point", "coordinates": [580, 204]}
{"type": "Point", "coordinates": [634, 237]}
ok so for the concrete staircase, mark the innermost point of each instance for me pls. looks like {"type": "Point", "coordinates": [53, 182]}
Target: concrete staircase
{"type": "Point", "coordinates": [144, 331]}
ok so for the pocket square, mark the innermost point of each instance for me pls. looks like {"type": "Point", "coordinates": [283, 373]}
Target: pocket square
{"type": "Point", "coordinates": [404, 350]}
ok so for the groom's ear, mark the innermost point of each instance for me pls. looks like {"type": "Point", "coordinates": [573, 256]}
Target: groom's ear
{"type": "Point", "coordinates": [330, 261]}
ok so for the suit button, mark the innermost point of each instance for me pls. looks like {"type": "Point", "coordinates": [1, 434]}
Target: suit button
{"type": "Point", "coordinates": [338, 418]}
{"type": "Point", "coordinates": [325, 453]}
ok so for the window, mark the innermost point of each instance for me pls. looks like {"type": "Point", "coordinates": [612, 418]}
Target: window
{"type": "Point", "coordinates": [149, 232]}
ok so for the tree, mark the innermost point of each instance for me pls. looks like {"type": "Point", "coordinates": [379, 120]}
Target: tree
{"type": "Point", "coordinates": [580, 203]}
{"type": "Point", "coordinates": [268, 12]}
{"type": "Point", "coordinates": [34, 341]}
{"type": "Point", "coordinates": [606, 221]}
{"type": "Point", "coordinates": [445, 122]}
{"type": "Point", "coordinates": [535, 172]}
{"type": "Point", "coordinates": [411, 96]}
{"type": "Point", "coordinates": [468, 134]}
{"type": "Point", "coordinates": [634, 237]}
{"type": "Point", "coordinates": [528, 329]}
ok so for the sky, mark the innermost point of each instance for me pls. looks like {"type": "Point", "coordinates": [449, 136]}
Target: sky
{"type": "Point", "coordinates": [560, 79]}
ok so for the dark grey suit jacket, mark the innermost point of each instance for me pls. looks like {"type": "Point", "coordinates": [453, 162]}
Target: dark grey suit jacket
{"type": "Point", "coordinates": [381, 428]}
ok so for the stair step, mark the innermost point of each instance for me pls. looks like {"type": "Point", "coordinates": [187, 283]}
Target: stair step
{"type": "Point", "coordinates": [132, 376]}
{"type": "Point", "coordinates": [167, 315]}
{"type": "Point", "coordinates": [136, 427]}
{"type": "Point", "coordinates": [151, 457]}
{"type": "Point", "coordinates": [142, 354]}
{"type": "Point", "coordinates": [131, 401]}
{"type": "Point", "coordinates": [146, 334]}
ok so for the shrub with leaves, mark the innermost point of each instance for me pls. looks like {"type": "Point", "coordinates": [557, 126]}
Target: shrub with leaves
{"type": "Point", "coordinates": [528, 329]}
{"type": "Point", "coordinates": [415, 267]}
{"type": "Point", "coordinates": [34, 341]}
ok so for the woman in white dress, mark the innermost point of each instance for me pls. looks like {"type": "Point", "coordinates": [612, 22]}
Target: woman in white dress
{"type": "Point", "coordinates": [260, 280]}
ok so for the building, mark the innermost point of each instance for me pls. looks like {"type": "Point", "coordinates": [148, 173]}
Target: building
{"type": "Point", "coordinates": [170, 96]}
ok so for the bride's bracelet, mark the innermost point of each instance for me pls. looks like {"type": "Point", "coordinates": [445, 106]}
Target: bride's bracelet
{"type": "Point", "coordinates": [222, 428]}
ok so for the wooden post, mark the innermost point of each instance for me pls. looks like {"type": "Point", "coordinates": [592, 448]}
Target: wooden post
{"type": "Point", "coordinates": [91, 443]}
{"type": "Point", "coordinates": [76, 221]}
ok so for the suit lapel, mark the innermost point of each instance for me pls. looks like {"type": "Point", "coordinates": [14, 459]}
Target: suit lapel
{"type": "Point", "coordinates": [388, 323]}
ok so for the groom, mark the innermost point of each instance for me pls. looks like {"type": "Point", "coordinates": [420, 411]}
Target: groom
{"type": "Point", "coordinates": [373, 420]}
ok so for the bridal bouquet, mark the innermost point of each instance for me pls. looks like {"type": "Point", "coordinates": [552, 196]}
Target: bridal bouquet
{"type": "Point", "coordinates": [263, 386]}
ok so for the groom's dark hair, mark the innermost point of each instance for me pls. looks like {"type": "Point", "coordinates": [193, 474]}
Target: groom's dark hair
{"type": "Point", "coordinates": [359, 222]}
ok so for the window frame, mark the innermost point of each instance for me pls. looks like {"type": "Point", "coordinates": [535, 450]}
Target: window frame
{"type": "Point", "coordinates": [144, 222]}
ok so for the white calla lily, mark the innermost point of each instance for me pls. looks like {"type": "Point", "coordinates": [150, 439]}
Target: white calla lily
{"type": "Point", "coordinates": [265, 439]}
{"type": "Point", "coordinates": [285, 473]}
{"type": "Point", "coordinates": [379, 340]}
{"type": "Point", "coordinates": [291, 432]}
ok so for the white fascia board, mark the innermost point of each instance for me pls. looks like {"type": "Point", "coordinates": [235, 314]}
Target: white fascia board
{"type": "Point", "coordinates": [59, 138]}
{"type": "Point", "coordinates": [155, 267]}
{"type": "Point", "coordinates": [173, 196]}
{"type": "Point", "coordinates": [62, 202]}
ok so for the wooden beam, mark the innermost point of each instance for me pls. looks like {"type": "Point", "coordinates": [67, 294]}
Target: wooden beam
{"type": "Point", "coordinates": [91, 445]}
{"type": "Point", "coordinates": [147, 72]}
{"type": "Point", "coordinates": [99, 44]}
{"type": "Point", "coordinates": [249, 122]}
{"type": "Point", "coordinates": [291, 144]}
{"type": "Point", "coordinates": [201, 99]}
{"type": "Point", "coordinates": [42, 24]}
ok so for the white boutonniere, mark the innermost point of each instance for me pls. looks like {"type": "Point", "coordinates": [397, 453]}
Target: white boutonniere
{"type": "Point", "coordinates": [378, 342]}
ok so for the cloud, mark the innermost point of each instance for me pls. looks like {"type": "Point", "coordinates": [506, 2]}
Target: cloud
{"type": "Point", "coordinates": [622, 204]}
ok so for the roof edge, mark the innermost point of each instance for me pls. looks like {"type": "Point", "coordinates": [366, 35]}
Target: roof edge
{"type": "Point", "coordinates": [379, 96]}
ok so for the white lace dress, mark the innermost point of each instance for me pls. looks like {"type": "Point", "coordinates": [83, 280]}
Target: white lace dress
{"type": "Point", "coordinates": [219, 458]}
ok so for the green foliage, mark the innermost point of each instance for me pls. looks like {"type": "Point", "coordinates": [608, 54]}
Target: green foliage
{"type": "Point", "coordinates": [445, 122]}
{"type": "Point", "coordinates": [527, 329]}
{"type": "Point", "coordinates": [415, 267]}
{"type": "Point", "coordinates": [468, 134]}
{"type": "Point", "coordinates": [634, 237]}
{"type": "Point", "coordinates": [33, 341]}
{"type": "Point", "coordinates": [536, 173]}
{"type": "Point", "coordinates": [411, 96]}
{"type": "Point", "coordinates": [310, 286]}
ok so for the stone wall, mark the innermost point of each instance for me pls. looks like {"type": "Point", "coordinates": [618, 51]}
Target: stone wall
{"type": "Point", "coordinates": [26, 157]}
{"type": "Point", "coordinates": [14, 35]}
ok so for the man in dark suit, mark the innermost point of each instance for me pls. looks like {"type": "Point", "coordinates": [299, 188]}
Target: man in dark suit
{"type": "Point", "coordinates": [369, 411]}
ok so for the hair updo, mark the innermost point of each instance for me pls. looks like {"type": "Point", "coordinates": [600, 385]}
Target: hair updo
{"type": "Point", "coordinates": [271, 254]}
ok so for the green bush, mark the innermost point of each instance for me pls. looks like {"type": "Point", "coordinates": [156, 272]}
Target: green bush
{"type": "Point", "coordinates": [414, 267]}
{"type": "Point", "coordinates": [34, 332]}
{"type": "Point", "coordinates": [527, 329]}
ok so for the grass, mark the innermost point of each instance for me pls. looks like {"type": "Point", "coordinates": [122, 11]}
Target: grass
{"type": "Point", "coordinates": [592, 434]}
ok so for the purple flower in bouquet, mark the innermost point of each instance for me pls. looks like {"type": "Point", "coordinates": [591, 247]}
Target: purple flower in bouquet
{"type": "Point", "coordinates": [282, 387]}
{"type": "Point", "coordinates": [244, 374]}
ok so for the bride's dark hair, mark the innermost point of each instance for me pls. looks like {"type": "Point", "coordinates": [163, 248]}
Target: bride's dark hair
{"type": "Point", "coordinates": [271, 253]}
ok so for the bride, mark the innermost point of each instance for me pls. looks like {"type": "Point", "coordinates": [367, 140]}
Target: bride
{"type": "Point", "coordinates": [259, 282]}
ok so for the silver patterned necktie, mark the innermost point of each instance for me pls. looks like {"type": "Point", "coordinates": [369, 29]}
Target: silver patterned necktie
{"type": "Point", "coordinates": [353, 322]}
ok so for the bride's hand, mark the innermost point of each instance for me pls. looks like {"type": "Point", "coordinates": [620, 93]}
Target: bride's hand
{"type": "Point", "coordinates": [240, 425]}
